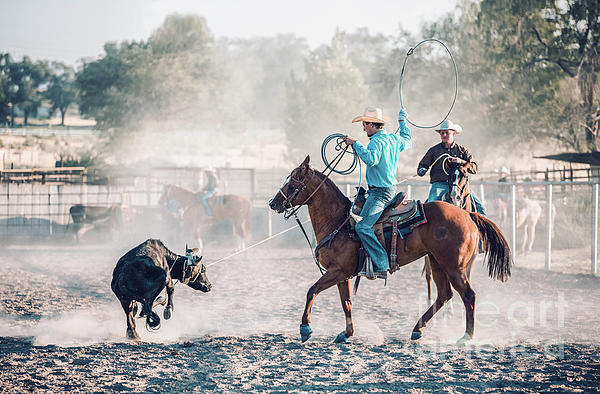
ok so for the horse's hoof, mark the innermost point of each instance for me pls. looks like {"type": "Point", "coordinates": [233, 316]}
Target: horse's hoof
{"type": "Point", "coordinates": [416, 335]}
{"type": "Point", "coordinates": [305, 332]}
{"type": "Point", "coordinates": [167, 312]}
{"type": "Point", "coordinates": [341, 338]}
{"type": "Point", "coordinates": [465, 338]}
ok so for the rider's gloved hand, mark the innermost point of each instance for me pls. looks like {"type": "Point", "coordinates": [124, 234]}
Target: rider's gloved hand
{"type": "Point", "coordinates": [421, 171]}
{"type": "Point", "coordinates": [402, 115]}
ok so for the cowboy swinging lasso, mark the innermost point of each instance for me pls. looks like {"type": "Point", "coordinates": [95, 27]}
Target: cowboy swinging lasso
{"type": "Point", "coordinates": [387, 230]}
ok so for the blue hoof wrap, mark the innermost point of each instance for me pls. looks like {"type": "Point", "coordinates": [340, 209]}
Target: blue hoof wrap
{"type": "Point", "coordinates": [341, 338]}
{"type": "Point", "coordinates": [305, 332]}
{"type": "Point", "coordinates": [415, 335]}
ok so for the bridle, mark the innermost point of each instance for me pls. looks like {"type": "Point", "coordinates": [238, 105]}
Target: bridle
{"type": "Point", "coordinates": [187, 262]}
{"type": "Point", "coordinates": [289, 208]}
{"type": "Point", "coordinates": [457, 190]}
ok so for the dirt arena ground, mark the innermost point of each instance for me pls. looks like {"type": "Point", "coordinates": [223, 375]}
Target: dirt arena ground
{"type": "Point", "coordinates": [62, 329]}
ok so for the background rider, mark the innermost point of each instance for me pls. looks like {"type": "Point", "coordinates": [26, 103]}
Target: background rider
{"type": "Point", "coordinates": [459, 155]}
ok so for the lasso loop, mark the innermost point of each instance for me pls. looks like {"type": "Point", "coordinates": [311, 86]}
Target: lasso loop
{"type": "Point", "coordinates": [409, 53]}
{"type": "Point", "coordinates": [339, 146]}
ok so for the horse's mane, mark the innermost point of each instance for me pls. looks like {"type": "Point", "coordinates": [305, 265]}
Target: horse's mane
{"type": "Point", "coordinates": [338, 193]}
{"type": "Point", "coordinates": [179, 188]}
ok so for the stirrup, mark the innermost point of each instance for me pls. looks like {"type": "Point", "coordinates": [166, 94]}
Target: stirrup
{"type": "Point", "coordinates": [381, 275]}
{"type": "Point", "coordinates": [367, 271]}
{"type": "Point", "coordinates": [367, 275]}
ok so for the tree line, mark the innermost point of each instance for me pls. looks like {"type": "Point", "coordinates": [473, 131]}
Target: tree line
{"type": "Point", "coordinates": [25, 84]}
{"type": "Point", "coordinates": [528, 70]}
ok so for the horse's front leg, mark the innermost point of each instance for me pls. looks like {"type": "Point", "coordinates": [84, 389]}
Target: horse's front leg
{"type": "Point", "coordinates": [329, 279]}
{"type": "Point", "coordinates": [344, 289]}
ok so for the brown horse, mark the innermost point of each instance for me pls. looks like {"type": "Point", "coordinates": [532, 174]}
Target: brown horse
{"type": "Point", "coordinates": [227, 206]}
{"type": "Point", "coordinates": [449, 238]}
{"type": "Point", "coordinates": [459, 195]}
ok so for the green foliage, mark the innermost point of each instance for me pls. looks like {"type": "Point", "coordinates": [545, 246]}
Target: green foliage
{"type": "Point", "coordinates": [108, 86]}
{"type": "Point", "coordinates": [22, 84]}
{"type": "Point", "coordinates": [182, 33]}
{"type": "Point", "coordinates": [331, 94]}
{"type": "Point", "coordinates": [170, 78]}
{"type": "Point", "coordinates": [536, 46]}
{"type": "Point", "coordinates": [82, 158]}
{"type": "Point", "coordinates": [61, 90]}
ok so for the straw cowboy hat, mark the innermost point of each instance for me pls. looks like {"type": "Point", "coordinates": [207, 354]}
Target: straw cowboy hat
{"type": "Point", "coordinates": [448, 125]}
{"type": "Point", "coordinates": [372, 114]}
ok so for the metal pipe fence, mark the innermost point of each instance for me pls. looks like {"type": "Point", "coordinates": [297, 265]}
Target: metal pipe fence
{"type": "Point", "coordinates": [540, 218]}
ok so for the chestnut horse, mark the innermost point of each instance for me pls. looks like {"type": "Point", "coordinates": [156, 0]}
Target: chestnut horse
{"type": "Point", "coordinates": [227, 206]}
{"type": "Point", "coordinates": [449, 238]}
{"type": "Point", "coordinates": [459, 195]}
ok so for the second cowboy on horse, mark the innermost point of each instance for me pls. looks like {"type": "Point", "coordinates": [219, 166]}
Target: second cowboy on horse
{"type": "Point", "coordinates": [456, 153]}
{"type": "Point", "coordinates": [381, 158]}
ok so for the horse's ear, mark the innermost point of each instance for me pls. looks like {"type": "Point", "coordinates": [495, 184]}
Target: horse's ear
{"type": "Point", "coordinates": [186, 247]}
{"type": "Point", "coordinates": [306, 161]}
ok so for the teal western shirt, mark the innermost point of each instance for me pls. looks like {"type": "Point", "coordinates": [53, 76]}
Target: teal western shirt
{"type": "Point", "coordinates": [381, 155]}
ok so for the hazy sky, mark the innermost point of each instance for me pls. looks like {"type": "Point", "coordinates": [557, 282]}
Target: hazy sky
{"type": "Point", "coordinates": [68, 30]}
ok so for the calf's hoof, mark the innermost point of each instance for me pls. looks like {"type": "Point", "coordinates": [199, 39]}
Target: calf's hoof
{"type": "Point", "coordinates": [167, 312]}
{"type": "Point", "coordinates": [305, 332]}
{"type": "Point", "coordinates": [160, 300]}
{"type": "Point", "coordinates": [416, 335]}
{"type": "Point", "coordinates": [341, 338]}
{"type": "Point", "coordinates": [132, 335]}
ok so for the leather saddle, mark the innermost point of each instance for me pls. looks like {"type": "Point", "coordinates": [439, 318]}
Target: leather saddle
{"type": "Point", "coordinates": [397, 220]}
{"type": "Point", "coordinates": [399, 209]}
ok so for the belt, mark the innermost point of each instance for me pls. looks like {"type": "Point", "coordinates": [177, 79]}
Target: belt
{"type": "Point", "coordinates": [380, 187]}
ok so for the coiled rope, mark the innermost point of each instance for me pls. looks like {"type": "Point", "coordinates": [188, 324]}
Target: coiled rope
{"type": "Point", "coordinates": [341, 147]}
{"type": "Point", "coordinates": [408, 54]}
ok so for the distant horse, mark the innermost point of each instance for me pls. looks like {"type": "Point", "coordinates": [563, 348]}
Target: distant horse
{"type": "Point", "coordinates": [142, 274]}
{"type": "Point", "coordinates": [527, 216]}
{"type": "Point", "coordinates": [449, 238]}
{"type": "Point", "coordinates": [459, 194]}
{"type": "Point", "coordinates": [228, 206]}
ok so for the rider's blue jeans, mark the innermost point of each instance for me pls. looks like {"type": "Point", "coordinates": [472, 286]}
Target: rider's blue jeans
{"type": "Point", "coordinates": [377, 201]}
{"type": "Point", "coordinates": [438, 189]}
{"type": "Point", "coordinates": [205, 198]}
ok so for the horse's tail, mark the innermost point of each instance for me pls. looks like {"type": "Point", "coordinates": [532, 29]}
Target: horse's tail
{"type": "Point", "coordinates": [497, 251]}
{"type": "Point", "coordinates": [152, 319]}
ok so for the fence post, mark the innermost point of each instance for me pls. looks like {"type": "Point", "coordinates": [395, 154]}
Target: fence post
{"type": "Point", "coordinates": [269, 222]}
{"type": "Point", "coordinates": [481, 193]}
{"type": "Point", "coordinates": [595, 229]}
{"type": "Point", "coordinates": [50, 211]}
{"type": "Point", "coordinates": [409, 192]}
{"type": "Point", "coordinates": [254, 182]}
{"type": "Point", "coordinates": [513, 218]}
{"type": "Point", "coordinates": [548, 225]}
